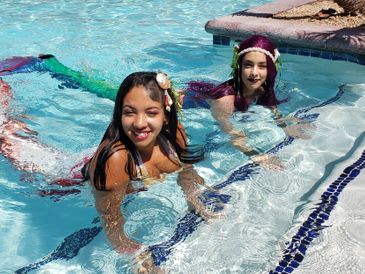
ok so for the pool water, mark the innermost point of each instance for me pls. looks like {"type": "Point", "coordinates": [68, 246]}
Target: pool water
{"type": "Point", "coordinates": [111, 39]}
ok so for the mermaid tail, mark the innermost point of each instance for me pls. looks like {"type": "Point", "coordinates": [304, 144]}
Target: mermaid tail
{"type": "Point", "coordinates": [195, 95]}
{"type": "Point", "coordinates": [18, 64]}
{"type": "Point", "coordinates": [63, 73]}
{"type": "Point", "coordinates": [70, 77]}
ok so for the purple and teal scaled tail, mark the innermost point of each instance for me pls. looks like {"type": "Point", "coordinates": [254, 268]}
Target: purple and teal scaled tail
{"type": "Point", "coordinates": [75, 79]}
{"type": "Point", "coordinates": [70, 78]}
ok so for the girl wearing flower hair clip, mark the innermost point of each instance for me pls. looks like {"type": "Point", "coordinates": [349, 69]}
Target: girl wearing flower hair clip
{"type": "Point", "coordinates": [143, 141]}
{"type": "Point", "coordinates": [254, 69]}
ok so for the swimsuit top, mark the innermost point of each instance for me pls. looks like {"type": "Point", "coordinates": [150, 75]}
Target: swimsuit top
{"type": "Point", "coordinates": [142, 179]}
{"type": "Point", "coordinates": [142, 174]}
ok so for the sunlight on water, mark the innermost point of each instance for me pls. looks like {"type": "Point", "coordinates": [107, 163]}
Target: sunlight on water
{"type": "Point", "coordinates": [110, 39]}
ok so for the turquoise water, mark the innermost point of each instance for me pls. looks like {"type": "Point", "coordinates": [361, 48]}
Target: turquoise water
{"type": "Point", "coordinates": [110, 39]}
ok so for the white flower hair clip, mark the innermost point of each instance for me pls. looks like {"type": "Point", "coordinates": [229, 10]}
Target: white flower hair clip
{"type": "Point", "coordinates": [164, 83]}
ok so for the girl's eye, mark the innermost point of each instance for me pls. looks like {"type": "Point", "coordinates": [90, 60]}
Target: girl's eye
{"type": "Point", "coordinates": [152, 113]}
{"type": "Point", "coordinates": [127, 112]}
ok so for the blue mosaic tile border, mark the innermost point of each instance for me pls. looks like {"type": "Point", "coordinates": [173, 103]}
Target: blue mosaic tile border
{"type": "Point", "coordinates": [68, 249]}
{"type": "Point", "coordinates": [295, 251]}
{"type": "Point", "coordinates": [221, 40]}
{"type": "Point", "coordinates": [330, 55]}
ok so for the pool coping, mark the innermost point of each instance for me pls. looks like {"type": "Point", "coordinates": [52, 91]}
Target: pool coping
{"type": "Point", "coordinates": [288, 34]}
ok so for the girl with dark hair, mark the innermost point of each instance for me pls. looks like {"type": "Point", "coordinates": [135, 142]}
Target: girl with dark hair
{"type": "Point", "coordinates": [143, 141]}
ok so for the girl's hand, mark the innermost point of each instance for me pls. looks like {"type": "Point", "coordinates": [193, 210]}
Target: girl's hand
{"type": "Point", "coordinates": [295, 127]}
{"type": "Point", "coordinates": [144, 264]}
{"type": "Point", "coordinates": [196, 205]}
{"type": "Point", "coordinates": [268, 161]}
{"type": "Point", "coordinates": [239, 141]}
{"type": "Point", "coordinates": [297, 131]}
{"type": "Point", "coordinates": [190, 180]}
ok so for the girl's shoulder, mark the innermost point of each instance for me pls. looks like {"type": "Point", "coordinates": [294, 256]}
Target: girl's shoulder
{"type": "Point", "coordinates": [117, 148]}
{"type": "Point", "coordinates": [115, 171]}
{"type": "Point", "coordinates": [224, 104]}
{"type": "Point", "coordinates": [115, 158]}
{"type": "Point", "coordinates": [118, 155]}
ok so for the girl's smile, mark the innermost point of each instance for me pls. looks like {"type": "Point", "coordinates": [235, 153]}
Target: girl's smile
{"type": "Point", "coordinates": [142, 118]}
{"type": "Point", "coordinates": [141, 135]}
{"type": "Point", "coordinates": [254, 71]}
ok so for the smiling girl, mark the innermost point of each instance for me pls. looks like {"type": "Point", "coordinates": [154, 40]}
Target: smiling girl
{"type": "Point", "coordinates": [143, 141]}
{"type": "Point", "coordinates": [254, 70]}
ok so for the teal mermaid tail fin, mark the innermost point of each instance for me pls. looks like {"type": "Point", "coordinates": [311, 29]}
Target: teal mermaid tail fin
{"type": "Point", "coordinates": [99, 87]}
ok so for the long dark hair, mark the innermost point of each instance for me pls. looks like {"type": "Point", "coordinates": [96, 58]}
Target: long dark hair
{"type": "Point", "coordinates": [117, 139]}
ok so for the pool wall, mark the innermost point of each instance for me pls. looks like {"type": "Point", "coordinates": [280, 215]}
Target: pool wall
{"type": "Point", "coordinates": [330, 42]}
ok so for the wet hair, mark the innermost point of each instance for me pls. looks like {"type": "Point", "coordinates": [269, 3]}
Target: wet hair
{"type": "Point", "coordinates": [234, 85]}
{"type": "Point", "coordinates": [117, 139]}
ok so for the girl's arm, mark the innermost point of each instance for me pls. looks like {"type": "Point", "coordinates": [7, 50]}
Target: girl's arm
{"type": "Point", "coordinates": [108, 203]}
{"type": "Point", "coordinates": [222, 110]}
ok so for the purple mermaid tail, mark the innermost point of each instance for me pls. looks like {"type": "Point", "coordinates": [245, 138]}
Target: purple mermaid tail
{"type": "Point", "coordinates": [19, 64]}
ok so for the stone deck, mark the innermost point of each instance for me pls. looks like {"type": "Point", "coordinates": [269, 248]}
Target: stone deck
{"type": "Point", "coordinates": [258, 20]}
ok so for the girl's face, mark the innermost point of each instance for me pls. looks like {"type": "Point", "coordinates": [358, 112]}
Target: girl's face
{"type": "Point", "coordinates": [142, 118]}
{"type": "Point", "coordinates": [254, 71]}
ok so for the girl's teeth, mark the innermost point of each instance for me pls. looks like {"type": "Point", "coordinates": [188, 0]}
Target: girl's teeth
{"type": "Point", "coordinates": [141, 134]}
